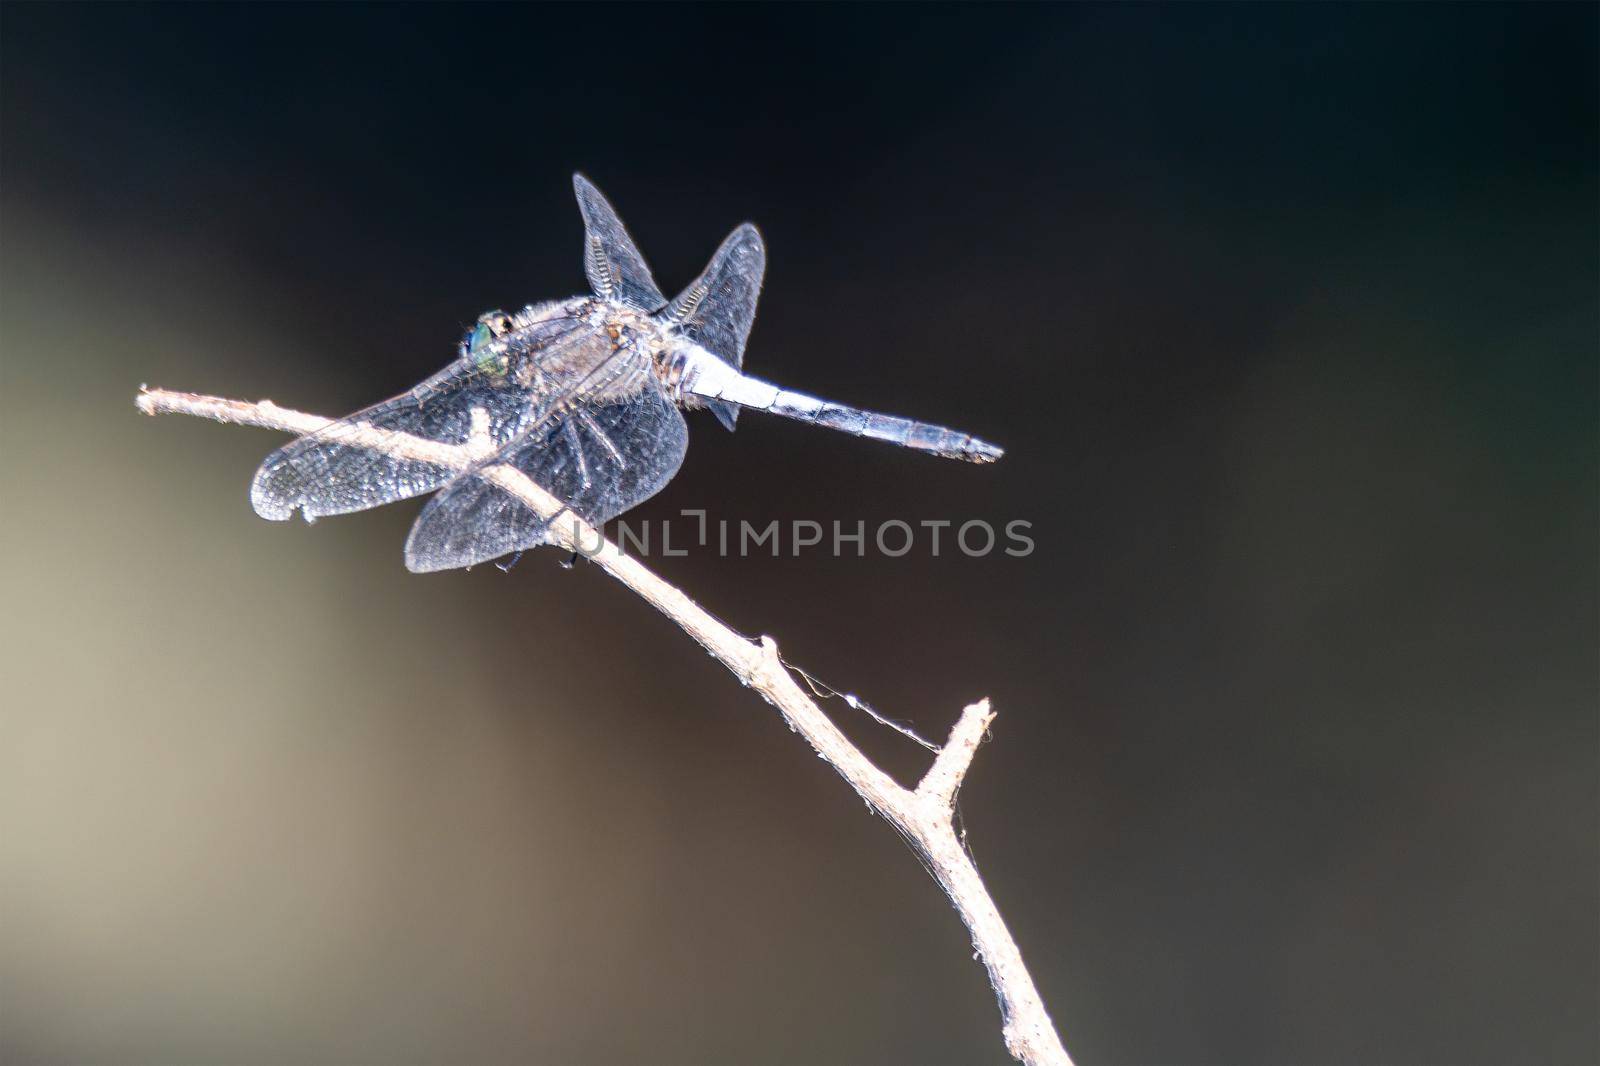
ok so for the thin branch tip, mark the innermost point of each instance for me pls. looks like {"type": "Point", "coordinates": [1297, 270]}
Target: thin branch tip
{"type": "Point", "coordinates": [943, 779]}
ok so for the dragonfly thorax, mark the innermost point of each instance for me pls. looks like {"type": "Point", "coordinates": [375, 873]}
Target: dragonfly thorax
{"type": "Point", "coordinates": [627, 327]}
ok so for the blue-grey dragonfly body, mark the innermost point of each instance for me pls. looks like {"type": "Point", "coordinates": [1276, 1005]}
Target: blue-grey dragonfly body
{"type": "Point", "coordinates": [582, 395]}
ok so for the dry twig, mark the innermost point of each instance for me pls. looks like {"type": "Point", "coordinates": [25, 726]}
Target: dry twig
{"type": "Point", "coordinates": [924, 815]}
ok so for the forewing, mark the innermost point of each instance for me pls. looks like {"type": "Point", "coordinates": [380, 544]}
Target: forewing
{"type": "Point", "coordinates": [322, 476]}
{"type": "Point", "coordinates": [598, 458]}
{"type": "Point", "coordinates": [616, 269]}
{"type": "Point", "coordinates": [325, 473]}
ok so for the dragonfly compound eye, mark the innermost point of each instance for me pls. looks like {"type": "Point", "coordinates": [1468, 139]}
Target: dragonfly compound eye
{"type": "Point", "coordinates": [479, 344]}
{"type": "Point", "coordinates": [491, 324]}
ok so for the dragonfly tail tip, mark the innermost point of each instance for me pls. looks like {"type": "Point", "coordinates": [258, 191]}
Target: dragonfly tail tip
{"type": "Point", "coordinates": [981, 451]}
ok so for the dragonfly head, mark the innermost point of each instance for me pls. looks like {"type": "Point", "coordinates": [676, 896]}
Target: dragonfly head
{"type": "Point", "coordinates": [478, 344]}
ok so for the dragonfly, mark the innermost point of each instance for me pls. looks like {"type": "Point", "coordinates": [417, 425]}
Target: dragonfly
{"type": "Point", "coordinates": [583, 395]}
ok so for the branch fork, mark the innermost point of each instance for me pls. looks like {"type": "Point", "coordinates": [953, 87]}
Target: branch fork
{"type": "Point", "coordinates": [923, 815]}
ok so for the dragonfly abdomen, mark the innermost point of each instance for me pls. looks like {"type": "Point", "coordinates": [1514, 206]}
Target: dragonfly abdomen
{"type": "Point", "coordinates": [701, 377]}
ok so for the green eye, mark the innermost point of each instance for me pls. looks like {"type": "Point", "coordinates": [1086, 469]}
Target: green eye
{"type": "Point", "coordinates": [479, 338]}
{"type": "Point", "coordinates": [479, 342]}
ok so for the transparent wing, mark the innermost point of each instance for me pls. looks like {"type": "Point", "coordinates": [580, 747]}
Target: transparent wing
{"type": "Point", "coordinates": [599, 457]}
{"type": "Point", "coordinates": [616, 269]}
{"type": "Point", "coordinates": [321, 476]}
{"type": "Point", "coordinates": [719, 307]}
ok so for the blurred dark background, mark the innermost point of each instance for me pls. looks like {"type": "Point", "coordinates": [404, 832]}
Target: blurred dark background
{"type": "Point", "coordinates": [1286, 314]}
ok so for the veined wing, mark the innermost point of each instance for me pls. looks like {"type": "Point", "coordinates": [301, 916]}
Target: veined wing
{"type": "Point", "coordinates": [616, 269]}
{"type": "Point", "coordinates": [610, 446]}
{"type": "Point", "coordinates": [322, 475]}
{"type": "Point", "coordinates": [719, 307]}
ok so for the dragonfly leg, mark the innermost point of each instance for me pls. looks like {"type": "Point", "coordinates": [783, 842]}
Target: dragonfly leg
{"type": "Point", "coordinates": [505, 567]}
{"type": "Point", "coordinates": [570, 428]}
